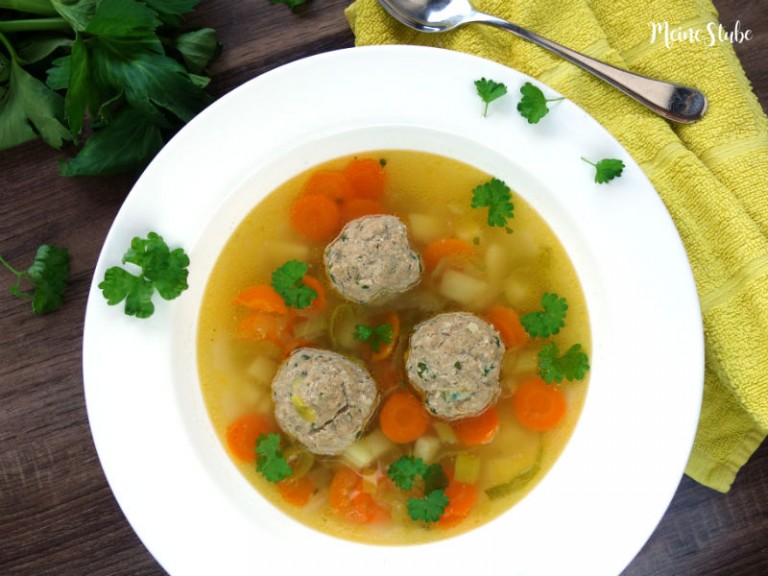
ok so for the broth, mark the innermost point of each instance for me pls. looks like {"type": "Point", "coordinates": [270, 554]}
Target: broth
{"type": "Point", "coordinates": [241, 348]}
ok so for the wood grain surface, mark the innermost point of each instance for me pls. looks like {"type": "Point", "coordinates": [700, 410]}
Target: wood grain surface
{"type": "Point", "coordinates": [57, 513]}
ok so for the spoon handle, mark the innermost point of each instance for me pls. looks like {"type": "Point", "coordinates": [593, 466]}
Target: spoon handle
{"type": "Point", "coordinates": [672, 101]}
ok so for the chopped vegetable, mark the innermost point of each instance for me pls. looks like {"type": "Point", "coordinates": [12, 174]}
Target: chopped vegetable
{"type": "Point", "coordinates": [572, 365]}
{"type": "Point", "coordinates": [348, 499]}
{"type": "Point", "coordinates": [118, 75]}
{"type": "Point", "coordinates": [316, 217]}
{"type": "Point", "coordinates": [270, 460]}
{"type": "Point", "coordinates": [533, 104]}
{"type": "Point", "coordinates": [161, 269]}
{"type": "Point", "coordinates": [289, 281]}
{"type": "Point", "coordinates": [466, 468]}
{"type": "Point", "coordinates": [375, 336]}
{"type": "Point", "coordinates": [461, 499]}
{"type": "Point", "coordinates": [296, 491]}
{"type": "Point", "coordinates": [606, 169]}
{"type": "Point", "coordinates": [359, 207]}
{"type": "Point", "coordinates": [537, 405]}
{"type": "Point", "coordinates": [517, 482]}
{"type": "Point", "coordinates": [479, 429]}
{"type": "Point", "coordinates": [443, 248]}
{"type": "Point", "coordinates": [331, 184]}
{"type": "Point", "coordinates": [266, 326]}
{"type": "Point", "coordinates": [403, 418]}
{"type": "Point", "coordinates": [367, 177]}
{"type": "Point", "coordinates": [262, 298]}
{"type": "Point", "coordinates": [546, 322]}
{"type": "Point", "coordinates": [48, 276]}
{"type": "Point", "coordinates": [489, 90]}
{"type": "Point", "coordinates": [428, 508]}
{"type": "Point", "coordinates": [507, 323]}
{"type": "Point", "coordinates": [243, 433]}
{"type": "Point", "coordinates": [496, 196]}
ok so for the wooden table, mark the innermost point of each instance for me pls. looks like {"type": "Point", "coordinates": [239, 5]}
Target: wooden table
{"type": "Point", "coordinates": [57, 513]}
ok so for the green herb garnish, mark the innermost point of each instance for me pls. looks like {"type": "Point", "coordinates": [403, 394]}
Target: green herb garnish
{"type": "Point", "coordinates": [270, 461]}
{"type": "Point", "coordinates": [290, 3]}
{"type": "Point", "coordinates": [546, 322]}
{"type": "Point", "coordinates": [405, 471]}
{"type": "Point", "coordinates": [489, 90]}
{"type": "Point", "coordinates": [374, 335]}
{"type": "Point", "coordinates": [572, 365]}
{"type": "Point", "coordinates": [497, 197]}
{"type": "Point", "coordinates": [606, 169]}
{"type": "Point", "coordinates": [160, 269]}
{"type": "Point", "coordinates": [48, 276]}
{"type": "Point", "coordinates": [287, 281]}
{"type": "Point", "coordinates": [533, 104]}
{"type": "Point", "coordinates": [429, 508]}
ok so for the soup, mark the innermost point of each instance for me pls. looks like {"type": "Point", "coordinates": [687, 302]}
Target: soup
{"type": "Point", "coordinates": [393, 347]}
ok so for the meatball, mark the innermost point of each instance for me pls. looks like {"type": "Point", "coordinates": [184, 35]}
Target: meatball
{"type": "Point", "coordinates": [323, 399]}
{"type": "Point", "coordinates": [371, 260]}
{"type": "Point", "coordinates": [455, 360]}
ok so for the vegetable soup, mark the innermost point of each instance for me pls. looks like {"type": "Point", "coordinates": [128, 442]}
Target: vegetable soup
{"type": "Point", "coordinates": [393, 347]}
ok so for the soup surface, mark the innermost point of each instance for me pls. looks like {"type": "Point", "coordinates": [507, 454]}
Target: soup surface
{"type": "Point", "coordinates": [461, 379]}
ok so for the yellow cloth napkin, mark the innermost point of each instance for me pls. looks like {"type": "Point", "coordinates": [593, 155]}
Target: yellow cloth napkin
{"type": "Point", "coordinates": [712, 175]}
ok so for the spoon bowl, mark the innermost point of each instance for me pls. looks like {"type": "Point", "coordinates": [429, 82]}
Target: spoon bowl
{"type": "Point", "coordinates": [672, 101]}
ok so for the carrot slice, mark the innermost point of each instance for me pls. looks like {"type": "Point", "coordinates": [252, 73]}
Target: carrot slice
{"type": "Point", "coordinates": [264, 326]}
{"type": "Point", "coordinates": [331, 184]}
{"type": "Point", "coordinates": [348, 499]}
{"type": "Point", "coordinates": [359, 207]}
{"type": "Point", "coordinates": [507, 323]}
{"type": "Point", "coordinates": [443, 248]}
{"type": "Point", "coordinates": [367, 177]}
{"type": "Point", "coordinates": [243, 432]}
{"type": "Point", "coordinates": [461, 500]}
{"type": "Point", "coordinates": [403, 418]}
{"type": "Point", "coordinates": [387, 373]}
{"type": "Point", "coordinates": [296, 491]}
{"type": "Point", "coordinates": [538, 405]}
{"type": "Point", "coordinates": [263, 298]}
{"type": "Point", "coordinates": [315, 216]}
{"type": "Point", "coordinates": [477, 430]}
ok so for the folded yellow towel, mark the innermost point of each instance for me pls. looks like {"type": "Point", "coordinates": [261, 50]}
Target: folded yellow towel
{"type": "Point", "coordinates": [712, 175]}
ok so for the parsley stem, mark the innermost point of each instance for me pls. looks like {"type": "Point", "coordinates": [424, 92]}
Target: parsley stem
{"type": "Point", "coordinates": [11, 268]}
{"type": "Point", "coordinates": [39, 7]}
{"type": "Point", "coordinates": [588, 161]}
{"type": "Point", "coordinates": [34, 25]}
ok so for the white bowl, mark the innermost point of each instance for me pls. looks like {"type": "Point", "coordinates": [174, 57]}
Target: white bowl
{"type": "Point", "coordinates": [603, 498]}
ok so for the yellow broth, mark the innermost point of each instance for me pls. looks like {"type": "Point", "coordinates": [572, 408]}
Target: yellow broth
{"type": "Point", "coordinates": [511, 266]}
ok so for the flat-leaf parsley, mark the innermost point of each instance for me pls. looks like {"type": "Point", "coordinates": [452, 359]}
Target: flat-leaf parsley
{"type": "Point", "coordinates": [270, 460]}
{"type": "Point", "coordinates": [549, 320]}
{"type": "Point", "coordinates": [287, 281]}
{"type": "Point", "coordinates": [48, 276]}
{"type": "Point", "coordinates": [489, 90]}
{"type": "Point", "coordinates": [405, 472]}
{"type": "Point", "coordinates": [570, 366]}
{"type": "Point", "coordinates": [497, 197]}
{"type": "Point", "coordinates": [533, 104]}
{"type": "Point", "coordinates": [160, 268]}
{"type": "Point", "coordinates": [375, 335]}
{"type": "Point", "coordinates": [606, 169]}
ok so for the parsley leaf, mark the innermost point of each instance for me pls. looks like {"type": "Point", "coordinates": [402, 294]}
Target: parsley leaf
{"type": "Point", "coordinates": [162, 269]}
{"type": "Point", "coordinates": [489, 90]}
{"type": "Point", "coordinates": [572, 365]}
{"type": "Point", "coordinates": [429, 508]}
{"type": "Point", "coordinates": [497, 197]}
{"type": "Point", "coordinates": [548, 321]}
{"type": "Point", "coordinates": [375, 335]}
{"type": "Point", "coordinates": [287, 281]}
{"type": "Point", "coordinates": [406, 470]}
{"type": "Point", "coordinates": [270, 460]}
{"type": "Point", "coordinates": [606, 169]}
{"type": "Point", "coordinates": [533, 104]}
{"type": "Point", "coordinates": [47, 274]}
{"type": "Point", "coordinates": [290, 3]}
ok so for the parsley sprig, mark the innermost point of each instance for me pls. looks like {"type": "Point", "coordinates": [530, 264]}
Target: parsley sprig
{"type": "Point", "coordinates": [489, 90]}
{"type": "Point", "coordinates": [159, 269]}
{"type": "Point", "coordinates": [606, 169]}
{"type": "Point", "coordinates": [270, 461]}
{"type": "Point", "coordinates": [533, 104]}
{"type": "Point", "coordinates": [548, 321]}
{"type": "Point", "coordinates": [553, 367]}
{"type": "Point", "coordinates": [374, 335]}
{"type": "Point", "coordinates": [497, 197]}
{"type": "Point", "coordinates": [406, 472]}
{"type": "Point", "coordinates": [287, 280]}
{"type": "Point", "coordinates": [48, 277]}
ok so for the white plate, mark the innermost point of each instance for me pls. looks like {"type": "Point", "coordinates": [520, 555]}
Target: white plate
{"type": "Point", "coordinates": [594, 510]}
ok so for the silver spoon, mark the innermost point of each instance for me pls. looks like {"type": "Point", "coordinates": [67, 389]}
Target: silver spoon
{"type": "Point", "coordinates": [672, 101]}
